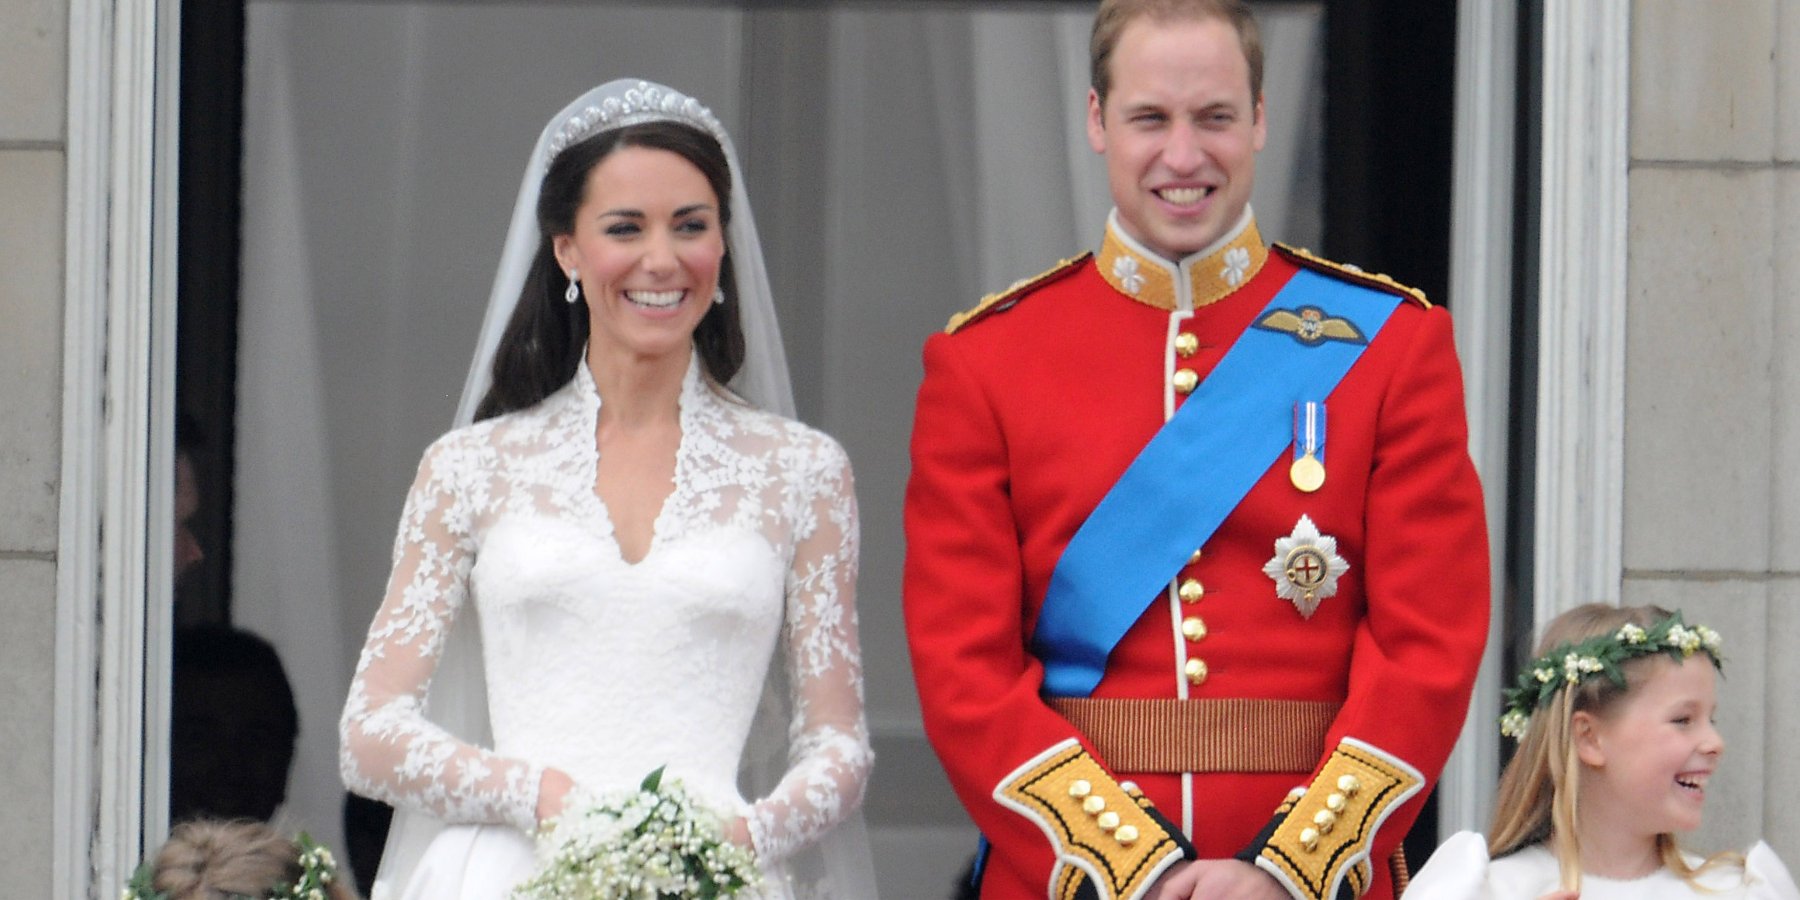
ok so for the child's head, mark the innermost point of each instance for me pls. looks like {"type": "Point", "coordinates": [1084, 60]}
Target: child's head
{"type": "Point", "coordinates": [209, 859]}
{"type": "Point", "coordinates": [1614, 718]}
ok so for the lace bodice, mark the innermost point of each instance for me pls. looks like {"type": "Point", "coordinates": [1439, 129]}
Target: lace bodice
{"type": "Point", "coordinates": [608, 669]}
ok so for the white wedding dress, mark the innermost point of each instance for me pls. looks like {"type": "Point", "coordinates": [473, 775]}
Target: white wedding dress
{"type": "Point", "coordinates": [607, 668]}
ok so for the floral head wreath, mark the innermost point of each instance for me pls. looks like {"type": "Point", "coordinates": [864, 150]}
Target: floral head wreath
{"type": "Point", "coordinates": [1567, 665]}
{"type": "Point", "coordinates": [317, 871]}
{"type": "Point", "coordinates": [644, 103]}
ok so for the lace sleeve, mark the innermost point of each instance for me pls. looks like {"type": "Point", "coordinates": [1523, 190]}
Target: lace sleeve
{"type": "Point", "coordinates": [387, 748]}
{"type": "Point", "coordinates": [829, 757]}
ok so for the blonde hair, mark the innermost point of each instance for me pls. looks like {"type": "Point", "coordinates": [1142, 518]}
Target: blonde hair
{"type": "Point", "coordinates": [1540, 790]}
{"type": "Point", "coordinates": [207, 859]}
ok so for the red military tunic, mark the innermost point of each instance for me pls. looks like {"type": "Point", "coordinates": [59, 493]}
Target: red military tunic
{"type": "Point", "coordinates": [1032, 406]}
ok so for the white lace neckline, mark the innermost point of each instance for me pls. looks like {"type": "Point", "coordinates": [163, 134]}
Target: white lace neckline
{"type": "Point", "coordinates": [695, 392]}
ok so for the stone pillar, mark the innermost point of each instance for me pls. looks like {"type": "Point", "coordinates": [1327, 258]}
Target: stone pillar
{"type": "Point", "coordinates": [33, 66]}
{"type": "Point", "coordinates": [1712, 491]}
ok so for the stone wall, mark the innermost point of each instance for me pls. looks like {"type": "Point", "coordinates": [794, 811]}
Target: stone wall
{"type": "Point", "coordinates": [1712, 436]}
{"type": "Point", "coordinates": [33, 67]}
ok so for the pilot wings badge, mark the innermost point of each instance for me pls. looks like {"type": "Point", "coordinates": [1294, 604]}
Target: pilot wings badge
{"type": "Point", "coordinates": [1311, 326]}
{"type": "Point", "coordinates": [1306, 567]}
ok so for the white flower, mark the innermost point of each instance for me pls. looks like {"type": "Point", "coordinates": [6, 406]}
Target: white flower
{"type": "Point", "coordinates": [1543, 675]}
{"type": "Point", "coordinates": [1125, 269]}
{"type": "Point", "coordinates": [1574, 667]}
{"type": "Point", "coordinates": [1631, 634]}
{"type": "Point", "coordinates": [1709, 639]}
{"type": "Point", "coordinates": [643, 843]}
{"type": "Point", "coordinates": [1683, 639]}
{"type": "Point", "coordinates": [1237, 264]}
{"type": "Point", "coordinates": [1513, 724]}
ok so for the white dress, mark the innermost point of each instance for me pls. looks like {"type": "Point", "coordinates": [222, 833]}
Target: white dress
{"type": "Point", "coordinates": [1461, 870]}
{"type": "Point", "coordinates": [608, 669]}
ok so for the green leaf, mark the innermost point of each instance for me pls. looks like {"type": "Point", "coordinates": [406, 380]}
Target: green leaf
{"type": "Point", "coordinates": [653, 780]}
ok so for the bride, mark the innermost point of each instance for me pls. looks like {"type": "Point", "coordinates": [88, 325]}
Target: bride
{"type": "Point", "coordinates": [631, 559]}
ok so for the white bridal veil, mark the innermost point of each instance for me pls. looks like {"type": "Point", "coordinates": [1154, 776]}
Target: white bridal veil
{"type": "Point", "coordinates": [839, 866]}
{"type": "Point", "coordinates": [763, 380]}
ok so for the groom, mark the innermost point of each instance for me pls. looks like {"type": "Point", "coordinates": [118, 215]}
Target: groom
{"type": "Point", "coordinates": [1196, 577]}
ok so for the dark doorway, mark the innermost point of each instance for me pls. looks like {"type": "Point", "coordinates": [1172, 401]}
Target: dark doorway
{"type": "Point", "coordinates": [1390, 75]}
{"type": "Point", "coordinates": [210, 174]}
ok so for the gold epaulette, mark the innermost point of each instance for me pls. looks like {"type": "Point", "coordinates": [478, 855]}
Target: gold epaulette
{"type": "Point", "coordinates": [1109, 840]}
{"type": "Point", "coordinates": [1320, 838]}
{"type": "Point", "coordinates": [1001, 300]}
{"type": "Point", "coordinates": [1376, 280]}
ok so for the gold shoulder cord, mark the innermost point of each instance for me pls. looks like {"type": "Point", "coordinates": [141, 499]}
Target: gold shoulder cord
{"type": "Point", "coordinates": [1002, 300]}
{"type": "Point", "coordinates": [1307, 259]}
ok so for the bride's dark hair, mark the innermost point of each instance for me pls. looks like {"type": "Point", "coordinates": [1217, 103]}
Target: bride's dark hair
{"type": "Point", "coordinates": [543, 340]}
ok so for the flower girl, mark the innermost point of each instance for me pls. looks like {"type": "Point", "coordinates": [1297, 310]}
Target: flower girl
{"type": "Point", "coordinates": [1616, 744]}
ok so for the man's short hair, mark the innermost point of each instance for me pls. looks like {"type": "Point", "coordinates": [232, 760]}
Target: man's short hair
{"type": "Point", "coordinates": [1114, 15]}
{"type": "Point", "coordinates": [233, 726]}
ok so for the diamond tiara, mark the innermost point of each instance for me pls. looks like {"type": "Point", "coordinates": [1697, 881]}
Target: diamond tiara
{"type": "Point", "coordinates": [644, 103]}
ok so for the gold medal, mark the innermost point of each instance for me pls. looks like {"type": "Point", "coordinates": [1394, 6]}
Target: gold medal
{"type": "Point", "coordinates": [1307, 473]}
{"type": "Point", "coordinates": [1308, 469]}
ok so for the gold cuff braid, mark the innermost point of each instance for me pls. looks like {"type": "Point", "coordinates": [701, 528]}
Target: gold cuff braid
{"type": "Point", "coordinates": [1321, 838]}
{"type": "Point", "coordinates": [1098, 828]}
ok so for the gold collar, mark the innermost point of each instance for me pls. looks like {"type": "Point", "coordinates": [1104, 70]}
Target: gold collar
{"type": "Point", "coordinates": [1197, 280]}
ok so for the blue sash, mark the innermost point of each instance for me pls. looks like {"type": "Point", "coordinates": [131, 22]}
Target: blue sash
{"type": "Point", "coordinates": [1197, 469]}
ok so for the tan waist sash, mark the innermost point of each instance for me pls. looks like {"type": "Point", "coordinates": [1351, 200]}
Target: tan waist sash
{"type": "Point", "coordinates": [1231, 735]}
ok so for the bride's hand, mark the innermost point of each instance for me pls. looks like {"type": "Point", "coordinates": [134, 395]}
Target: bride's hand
{"type": "Point", "coordinates": [738, 832]}
{"type": "Point", "coordinates": [553, 790]}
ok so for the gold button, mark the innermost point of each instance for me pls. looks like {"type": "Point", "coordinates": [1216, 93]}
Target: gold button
{"type": "Point", "coordinates": [1185, 381]}
{"type": "Point", "coordinates": [1335, 803]}
{"type": "Point", "coordinates": [1349, 785]}
{"type": "Point", "coordinates": [1193, 628]}
{"type": "Point", "coordinates": [1190, 590]}
{"type": "Point", "coordinates": [1080, 788]}
{"type": "Point", "coordinates": [1093, 805]}
{"type": "Point", "coordinates": [1186, 343]}
{"type": "Point", "coordinates": [1107, 820]}
{"type": "Point", "coordinates": [1325, 818]}
{"type": "Point", "coordinates": [1309, 838]}
{"type": "Point", "coordinates": [1126, 835]}
{"type": "Point", "coordinates": [1196, 671]}
{"type": "Point", "coordinates": [1194, 557]}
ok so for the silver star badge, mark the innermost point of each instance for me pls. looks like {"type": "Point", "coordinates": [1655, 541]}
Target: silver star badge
{"type": "Point", "coordinates": [1305, 567]}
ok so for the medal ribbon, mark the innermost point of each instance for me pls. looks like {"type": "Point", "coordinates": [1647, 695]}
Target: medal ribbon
{"type": "Point", "coordinates": [1190, 476]}
{"type": "Point", "coordinates": [1309, 430]}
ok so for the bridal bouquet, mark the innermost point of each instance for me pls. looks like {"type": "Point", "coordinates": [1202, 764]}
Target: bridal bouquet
{"type": "Point", "coordinates": [655, 843]}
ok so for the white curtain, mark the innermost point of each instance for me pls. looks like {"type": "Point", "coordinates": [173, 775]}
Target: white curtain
{"type": "Point", "coordinates": [903, 163]}
{"type": "Point", "coordinates": [286, 570]}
